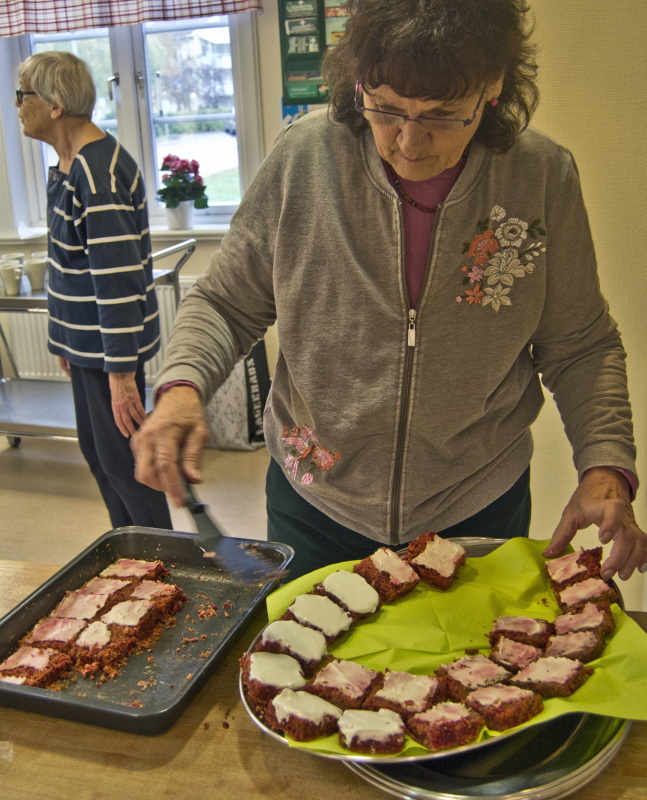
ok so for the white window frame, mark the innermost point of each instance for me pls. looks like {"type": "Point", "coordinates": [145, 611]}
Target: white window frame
{"type": "Point", "coordinates": [27, 200]}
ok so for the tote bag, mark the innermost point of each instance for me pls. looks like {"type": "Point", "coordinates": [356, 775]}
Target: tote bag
{"type": "Point", "coordinates": [235, 412]}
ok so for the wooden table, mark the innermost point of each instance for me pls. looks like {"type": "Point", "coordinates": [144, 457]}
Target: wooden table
{"type": "Point", "coordinates": [214, 750]}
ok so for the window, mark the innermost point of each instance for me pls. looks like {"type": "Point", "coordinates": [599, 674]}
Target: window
{"type": "Point", "coordinates": [187, 87]}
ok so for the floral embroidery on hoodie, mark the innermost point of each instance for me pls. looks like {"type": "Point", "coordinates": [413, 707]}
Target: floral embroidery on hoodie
{"type": "Point", "coordinates": [303, 444]}
{"type": "Point", "coordinates": [499, 255]}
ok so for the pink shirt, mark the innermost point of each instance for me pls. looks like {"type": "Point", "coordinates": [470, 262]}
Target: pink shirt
{"type": "Point", "coordinates": [419, 225]}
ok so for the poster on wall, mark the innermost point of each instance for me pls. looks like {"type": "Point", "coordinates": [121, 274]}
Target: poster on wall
{"type": "Point", "coordinates": [307, 28]}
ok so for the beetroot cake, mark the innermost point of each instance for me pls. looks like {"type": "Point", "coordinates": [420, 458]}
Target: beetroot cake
{"type": "Point", "coordinates": [266, 674]}
{"type": "Point", "coordinates": [436, 560]}
{"type": "Point", "coordinates": [589, 617]}
{"type": "Point", "coordinates": [552, 677]}
{"type": "Point", "coordinates": [98, 647]}
{"type": "Point", "coordinates": [590, 590]}
{"type": "Point", "coordinates": [167, 598]}
{"type": "Point", "coordinates": [404, 693]}
{"type": "Point", "coordinates": [390, 576]}
{"type": "Point", "coordinates": [513, 655]}
{"type": "Point", "coordinates": [302, 716]}
{"type": "Point", "coordinates": [79, 605]}
{"type": "Point", "coordinates": [574, 567]}
{"type": "Point", "coordinates": [135, 570]}
{"type": "Point", "coordinates": [581, 645]}
{"type": "Point", "coordinates": [98, 625]}
{"type": "Point", "coordinates": [468, 673]}
{"type": "Point", "coordinates": [504, 707]}
{"type": "Point", "coordinates": [526, 630]}
{"type": "Point", "coordinates": [345, 684]}
{"type": "Point", "coordinates": [58, 634]}
{"type": "Point", "coordinates": [351, 591]}
{"type": "Point", "coordinates": [114, 590]}
{"type": "Point", "coordinates": [321, 613]}
{"type": "Point", "coordinates": [445, 725]}
{"type": "Point", "coordinates": [38, 666]}
{"type": "Point", "coordinates": [371, 732]}
{"type": "Point", "coordinates": [132, 619]}
{"type": "Point", "coordinates": [306, 645]}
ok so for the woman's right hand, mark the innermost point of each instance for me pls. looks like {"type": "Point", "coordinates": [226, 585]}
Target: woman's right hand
{"type": "Point", "coordinates": [171, 441]}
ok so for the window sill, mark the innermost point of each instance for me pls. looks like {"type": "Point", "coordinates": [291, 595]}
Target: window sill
{"type": "Point", "coordinates": [201, 233]}
{"type": "Point", "coordinates": [160, 232]}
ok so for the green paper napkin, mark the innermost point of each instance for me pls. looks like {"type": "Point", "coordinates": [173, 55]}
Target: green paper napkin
{"type": "Point", "coordinates": [429, 627]}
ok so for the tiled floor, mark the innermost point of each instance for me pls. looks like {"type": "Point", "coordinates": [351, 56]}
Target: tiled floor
{"type": "Point", "coordinates": [51, 509]}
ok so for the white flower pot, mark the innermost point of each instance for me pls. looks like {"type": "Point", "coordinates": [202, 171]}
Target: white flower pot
{"type": "Point", "coordinates": [180, 218]}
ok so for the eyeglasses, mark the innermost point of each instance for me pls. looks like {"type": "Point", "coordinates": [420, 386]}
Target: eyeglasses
{"type": "Point", "coordinates": [428, 123]}
{"type": "Point", "coordinates": [20, 95]}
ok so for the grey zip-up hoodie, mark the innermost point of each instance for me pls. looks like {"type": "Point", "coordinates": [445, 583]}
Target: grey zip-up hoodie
{"type": "Point", "coordinates": [394, 420]}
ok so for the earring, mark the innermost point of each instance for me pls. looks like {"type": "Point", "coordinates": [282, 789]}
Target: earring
{"type": "Point", "coordinates": [494, 102]}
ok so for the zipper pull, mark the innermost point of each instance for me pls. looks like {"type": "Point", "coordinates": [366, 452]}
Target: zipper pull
{"type": "Point", "coordinates": [411, 333]}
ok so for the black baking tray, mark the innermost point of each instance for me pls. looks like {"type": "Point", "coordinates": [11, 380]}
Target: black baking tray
{"type": "Point", "coordinates": [165, 679]}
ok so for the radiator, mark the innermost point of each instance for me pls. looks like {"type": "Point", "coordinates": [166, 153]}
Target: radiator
{"type": "Point", "coordinates": [27, 337]}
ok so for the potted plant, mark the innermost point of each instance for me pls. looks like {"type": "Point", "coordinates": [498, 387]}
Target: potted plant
{"type": "Point", "coordinates": [183, 190]}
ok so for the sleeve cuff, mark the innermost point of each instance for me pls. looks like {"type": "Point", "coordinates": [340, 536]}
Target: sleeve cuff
{"type": "Point", "coordinates": [166, 386]}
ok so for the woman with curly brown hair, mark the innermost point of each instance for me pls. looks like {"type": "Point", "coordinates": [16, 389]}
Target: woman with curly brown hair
{"type": "Point", "coordinates": [428, 261]}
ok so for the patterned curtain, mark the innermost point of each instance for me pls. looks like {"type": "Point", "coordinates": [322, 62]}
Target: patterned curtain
{"type": "Point", "coordinates": [48, 16]}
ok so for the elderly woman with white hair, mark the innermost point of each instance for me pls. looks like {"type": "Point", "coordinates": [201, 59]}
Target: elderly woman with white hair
{"type": "Point", "coordinates": [103, 313]}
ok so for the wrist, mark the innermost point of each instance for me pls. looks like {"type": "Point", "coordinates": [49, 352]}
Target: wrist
{"type": "Point", "coordinates": [622, 478]}
{"type": "Point", "coordinates": [175, 384]}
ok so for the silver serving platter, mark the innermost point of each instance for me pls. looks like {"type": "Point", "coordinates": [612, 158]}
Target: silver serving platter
{"type": "Point", "coordinates": [545, 762]}
{"type": "Point", "coordinates": [540, 743]}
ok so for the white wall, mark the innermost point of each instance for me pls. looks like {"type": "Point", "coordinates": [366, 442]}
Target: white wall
{"type": "Point", "coordinates": [593, 77]}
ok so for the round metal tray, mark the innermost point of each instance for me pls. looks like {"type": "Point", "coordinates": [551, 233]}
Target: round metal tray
{"type": "Point", "coordinates": [538, 744]}
{"type": "Point", "coordinates": [545, 762]}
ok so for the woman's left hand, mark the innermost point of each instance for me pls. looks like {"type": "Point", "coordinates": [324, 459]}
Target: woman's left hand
{"type": "Point", "coordinates": [127, 407]}
{"type": "Point", "coordinates": [603, 499]}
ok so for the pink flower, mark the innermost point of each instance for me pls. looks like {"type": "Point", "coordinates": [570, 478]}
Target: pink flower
{"type": "Point", "coordinates": [194, 167]}
{"type": "Point", "coordinates": [475, 275]}
{"type": "Point", "coordinates": [291, 465]}
{"type": "Point", "coordinates": [183, 165]}
{"type": "Point", "coordinates": [170, 162]}
{"type": "Point", "coordinates": [307, 479]}
{"type": "Point", "coordinates": [324, 459]}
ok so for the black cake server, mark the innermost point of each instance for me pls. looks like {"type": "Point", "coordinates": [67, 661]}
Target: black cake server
{"type": "Point", "coordinates": [231, 555]}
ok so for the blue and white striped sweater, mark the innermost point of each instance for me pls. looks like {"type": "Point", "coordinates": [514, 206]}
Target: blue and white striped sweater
{"type": "Point", "coordinates": [103, 310]}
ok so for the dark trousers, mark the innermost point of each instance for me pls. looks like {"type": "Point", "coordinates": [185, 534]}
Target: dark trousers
{"type": "Point", "coordinates": [109, 456]}
{"type": "Point", "coordinates": [318, 540]}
